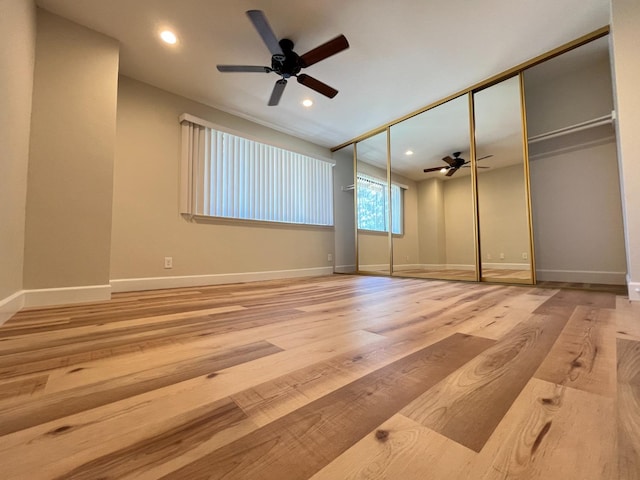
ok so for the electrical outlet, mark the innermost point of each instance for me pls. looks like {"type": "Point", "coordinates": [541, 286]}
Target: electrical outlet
{"type": "Point", "coordinates": [502, 256]}
{"type": "Point", "coordinates": [525, 256]}
{"type": "Point", "coordinates": [168, 262]}
{"type": "Point", "coordinates": [329, 257]}
{"type": "Point", "coordinates": [488, 256]}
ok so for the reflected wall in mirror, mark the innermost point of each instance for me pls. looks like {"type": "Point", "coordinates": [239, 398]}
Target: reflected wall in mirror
{"type": "Point", "coordinates": [438, 238]}
{"type": "Point", "coordinates": [372, 192]}
{"type": "Point", "coordinates": [344, 211]}
{"type": "Point", "coordinates": [505, 235]}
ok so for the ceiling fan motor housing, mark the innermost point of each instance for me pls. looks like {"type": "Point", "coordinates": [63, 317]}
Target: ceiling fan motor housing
{"type": "Point", "coordinates": [289, 64]}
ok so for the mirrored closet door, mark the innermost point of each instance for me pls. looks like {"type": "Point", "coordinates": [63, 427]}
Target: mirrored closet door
{"type": "Point", "coordinates": [431, 177]}
{"type": "Point", "coordinates": [457, 191]}
{"type": "Point", "coordinates": [503, 205]}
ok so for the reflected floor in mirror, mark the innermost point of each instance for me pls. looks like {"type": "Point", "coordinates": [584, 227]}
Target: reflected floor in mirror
{"type": "Point", "coordinates": [506, 275]}
{"type": "Point", "coordinates": [437, 273]}
{"type": "Point", "coordinates": [488, 274]}
{"type": "Point", "coordinates": [325, 378]}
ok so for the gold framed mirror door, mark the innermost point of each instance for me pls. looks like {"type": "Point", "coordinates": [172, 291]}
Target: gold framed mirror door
{"type": "Point", "coordinates": [505, 237]}
{"type": "Point", "coordinates": [431, 176]}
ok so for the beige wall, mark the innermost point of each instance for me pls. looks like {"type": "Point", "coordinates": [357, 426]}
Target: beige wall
{"type": "Point", "coordinates": [405, 246]}
{"type": "Point", "coordinates": [147, 225]}
{"type": "Point", "coordinates": [68, 225]}
{"type": "Point", "coordinates": [577, 215]}
{"type": "Point", "coordinates": [17, 51]}
{"type": "Point", "coordinates": [431, 226]}
{"type": "Point", "coordinates": [503, 216]}
{"type": "Point", "coordinates": [568, 98]}
{"type": "Point", "coordinates": [625, 19]}
{"type": "Point", "coordinates": [458, 218]}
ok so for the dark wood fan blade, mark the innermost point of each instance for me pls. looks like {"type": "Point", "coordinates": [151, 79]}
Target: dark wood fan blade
{"type": "Point", "coordinates": [436, 169]}
{"type": "Point", "coordinates": [243, 68]}
{"type": "Point", "coordinates": [278, 88]}
{"type": "Point", "coordinates": [451, 172]}
{"type": "Point", "coordinates": [449, 160]}
{"type": "Point", "coordinates": [261, 24]}
{"type": "Point", "coordinates": [469, 166]}
{"type": "Point", "coordinates": [482, 158]}
{"type": "Point", "coordinates": [324, 51]}
{"type": "Point", "coordinates": [317, 85]}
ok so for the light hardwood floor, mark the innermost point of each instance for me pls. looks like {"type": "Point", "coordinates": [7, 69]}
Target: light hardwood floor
{"type": "Point", "coordinates": [331, 378]}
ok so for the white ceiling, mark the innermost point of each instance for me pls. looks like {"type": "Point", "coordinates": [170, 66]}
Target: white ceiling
{"type": "Point", "coordinates": [403, 55]}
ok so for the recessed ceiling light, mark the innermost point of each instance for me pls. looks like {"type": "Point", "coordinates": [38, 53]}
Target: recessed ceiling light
{"type": "Point", "coordinates": [307, 102]}
{"type": "Point", "coordinates": [409, 152]}
{"type": "Point", "coordinates": [168, 37]}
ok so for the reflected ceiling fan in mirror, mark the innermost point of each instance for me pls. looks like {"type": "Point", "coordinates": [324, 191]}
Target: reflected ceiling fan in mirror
{"type": "Point", "coordinates": [455, 164]}
{"type": "Point", "coordinates": [287, 63]}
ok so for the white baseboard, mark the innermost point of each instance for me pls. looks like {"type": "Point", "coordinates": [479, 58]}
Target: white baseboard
{"type": "Point", "coordinates": [507, 266]}
{"type": "Point", "coordinates": [157, 283]}
{"type": "Point", "coordinates": [344, 269]}
{"type": "Point", "coordinates": [579, 276]}
{"type": "Point", "coordinates": [384, 267]}
{"type": "Point", "coordinates": [45, 297]}
{"type": "Point", "coordinates": [11, 305]}
{"type": "Point", "coordinates": [458, 266]}
{"type": "Point", "coordinates": [407, 266]}
{"type": "Point", "coordinates": [634, 290]}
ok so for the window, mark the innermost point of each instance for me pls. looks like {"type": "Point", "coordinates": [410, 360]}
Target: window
{"type": "Point", "coordinates": [373, 210]}
{"type": "Point", "coordinates": [226, 175]}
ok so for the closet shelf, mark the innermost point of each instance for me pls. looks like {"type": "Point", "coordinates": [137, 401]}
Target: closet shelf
{"type": "Point", "coordinates": [578, 127]}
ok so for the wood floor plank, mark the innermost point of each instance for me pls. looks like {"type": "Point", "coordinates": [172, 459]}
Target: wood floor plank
{"type": "Point", "coordinates": [271, 400]}
{"type": "Point", "coordinates": [497, 321]}
{"type": "Point", "coordinates": [73, 334]}
{"type": "Point", "coordinates": [628, 409]}
{"type": "Point", "coordinates": [68, 402]}
{"type": "Point", "coordinates": [145, 414]}
{"type": "Point", "coordinates": [399, 449]}
{"type": "Point", "coordinates": [455, 315]}
{"type": "Point", "coordinates": [626, 315]}
{"type": "Point", "coordinates": [106, 389]}
{"type": "Point", "coordinates": [326, 428]}
{"type": "Point", "coordinates": [584, 356]}
{"type": "Point", "coordinates": [160, 448]}
{"type": "Point", "coordinates": [16, 390]}
{"type": "Point", "coordinates": [551, 433]}
{"type": "Point", "coordinates": [467, 406]}
{"type": "Point", "coordinates": [572, 298]}
{"type": "Point", "coordinates": [42, 360]}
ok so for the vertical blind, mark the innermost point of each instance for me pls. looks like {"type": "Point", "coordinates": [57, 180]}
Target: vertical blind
{"type": "Point", "coordinates": [226, 175]}
{"type": "Point", "coordinates": [373, 205]}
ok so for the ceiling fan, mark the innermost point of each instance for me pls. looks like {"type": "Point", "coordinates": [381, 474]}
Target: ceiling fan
{"type": "Point", "coordinates": [287, 63]}
{"type": "Point", "coordinates": [455, 163]}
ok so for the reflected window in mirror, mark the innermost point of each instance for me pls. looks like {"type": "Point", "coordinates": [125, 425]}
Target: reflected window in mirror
{"type": "Point", "coordinates": [373, 205]}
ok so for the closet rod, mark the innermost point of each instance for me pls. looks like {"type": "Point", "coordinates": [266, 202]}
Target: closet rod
{"type": "Point", "coordinates": [596, 122]}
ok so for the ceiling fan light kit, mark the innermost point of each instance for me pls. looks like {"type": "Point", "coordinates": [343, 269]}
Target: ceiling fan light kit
{"type": "Point", "coordinates": [287, 63]}
{"type": "Point", "coordinates": [455, 163]}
